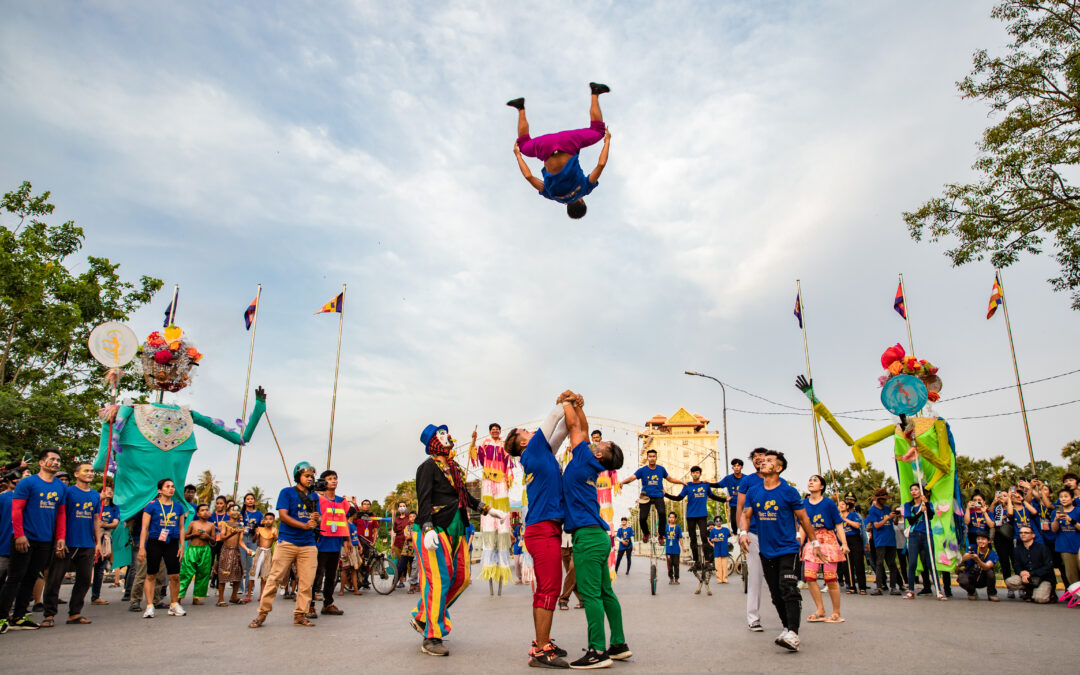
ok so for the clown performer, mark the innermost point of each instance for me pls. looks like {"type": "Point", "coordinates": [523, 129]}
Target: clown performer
{"type": "Point", "coordinates": [923, 445]}
{"type": "Point", "coordinates": [564, 181]}
{"type": "Point", "coordinates": [151, 441]}
{"type": "Point", "coordinates": [495, 536]}
{"type": "Point", "coordinates": [438, 535]}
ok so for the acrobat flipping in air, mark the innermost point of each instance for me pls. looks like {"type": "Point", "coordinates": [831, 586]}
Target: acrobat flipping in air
{"type": "Point", "coordinates": [564, 181]}
{"type": "Point", "coordinates": [152, 441]}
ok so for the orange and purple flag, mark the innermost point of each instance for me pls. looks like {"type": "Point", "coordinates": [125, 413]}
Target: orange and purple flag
{"type": "Point", "coordinates": [898, 301]}
{"type": "Point", "coordinates": [249, 313]}
{"type": "Point", "coordinates": [997, 298]}
{"type": "Point", "coordinates": [335, 305]}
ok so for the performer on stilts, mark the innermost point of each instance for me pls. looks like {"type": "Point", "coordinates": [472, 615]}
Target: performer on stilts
{"type": "Point", "coordinates": [439, 537]}
{"type": "Point", "coordinates": [564, 181]}
{"type": "Point", "coordinates": [495, 534]}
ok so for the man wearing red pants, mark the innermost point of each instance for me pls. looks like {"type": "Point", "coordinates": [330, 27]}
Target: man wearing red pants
{"type": "Point", "coordinates": [564, 181]}
{"type": "Point", "coordinates": [543, 523]}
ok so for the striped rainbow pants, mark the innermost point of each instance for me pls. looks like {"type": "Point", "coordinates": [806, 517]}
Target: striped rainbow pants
{"type": "Point", "coordinates": [444, 575]}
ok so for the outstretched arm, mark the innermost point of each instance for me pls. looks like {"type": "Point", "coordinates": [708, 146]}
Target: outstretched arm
{"type": "Point", "coordinates": [231, 436]}
{"type": "Point", "coordinates": [533, 180]}
{"type": "Point", "coordinates": [857, 446]}
{"type": "Point", "coordinates": [576, 423]}
{"type": "Point", "coordinates": [595, 175]}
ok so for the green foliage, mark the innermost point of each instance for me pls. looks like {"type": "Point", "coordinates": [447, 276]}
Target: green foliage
{"type": "Point", "coordinates": [405, 491]}
{"type": "Point", "coordinates": [1023, 201]}
{"type": "Point", "coordinates": [207, 488]}
{"type": "Point", "coordinates": [262, 502]}
{"type": "Point", "coordinates": [50, 386]}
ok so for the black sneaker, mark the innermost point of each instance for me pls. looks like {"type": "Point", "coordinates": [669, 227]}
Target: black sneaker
{"type": "Point", "coordinates": [126, 598]}
{"type": "Point", "coordinates": [559, 651]}
{"type": "Point", "coordinates": [925, 591]}
{"type": "Point", "coordinates": [518, 103]}
{"type": "Point", "coordinates": [592, 659]}
{"type": "Point", "coordinates": [596, 88]}
{"type": "Point", "coordinates": [876, 591]}
{"type": "Point", "coordinates": [38, 607]}
{"type": "Point", "coordinates": [619, 652]}
{"type": "Point", "coordinates": [434, 647]}
{"type": "Point", "coordinates": [161, 605]}
{"type": "Point", "coordinates": [25, 623]}
{"type": "Point", "coordinates": [546, 658]}
{"type": "Point", "coordinates": [134, 607]}
{"type": "Point", "coordinates": [895, 591]}
{"type": "Point", "coordinates": [756, 627]}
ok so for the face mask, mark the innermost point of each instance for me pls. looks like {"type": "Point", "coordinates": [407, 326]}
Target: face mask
{"type": "Point", "coordinates": [401, 509]}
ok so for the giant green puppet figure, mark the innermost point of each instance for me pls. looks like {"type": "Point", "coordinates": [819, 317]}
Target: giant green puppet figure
{"type": "Point", "coordinates": [922, 445]}
{"type": "Point", "coordinates": [151, 441]}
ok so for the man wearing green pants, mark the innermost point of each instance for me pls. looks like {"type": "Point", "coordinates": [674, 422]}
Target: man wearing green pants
{"type": "Point", "coordinates": [592, 541]}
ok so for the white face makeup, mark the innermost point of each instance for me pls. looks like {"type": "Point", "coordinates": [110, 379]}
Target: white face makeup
{"type": "Point", "coordinates": [444, 438]}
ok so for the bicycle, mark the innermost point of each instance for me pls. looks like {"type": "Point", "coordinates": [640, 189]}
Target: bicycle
{"type": "Point", "coordinates": [652, 545]}
{"type": "Point", "coordinates": [383, 573]}
{"type": "Point", "coordinates": [737, 565]}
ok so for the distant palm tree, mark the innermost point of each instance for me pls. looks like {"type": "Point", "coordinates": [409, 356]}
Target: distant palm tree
{"type": "Point", "coordinates": [261, 502]}
{"type": "Point", "coordinates": [206, 488]}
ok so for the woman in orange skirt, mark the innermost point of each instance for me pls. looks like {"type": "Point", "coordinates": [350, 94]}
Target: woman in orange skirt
{"type": "Point", "coordinates": [829, 530]}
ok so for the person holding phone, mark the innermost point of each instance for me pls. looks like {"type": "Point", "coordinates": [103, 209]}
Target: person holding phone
{"type": "Point", "coordinates": [879, 521]}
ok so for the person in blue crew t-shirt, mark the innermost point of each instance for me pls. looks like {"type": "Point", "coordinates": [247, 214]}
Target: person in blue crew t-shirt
{"type": "Point", "coordinates": [977, 569]}
{"type": "Point", "coordinates": [755, 576]}
{"type": "Point", "coordinates": [37, 513]}
{"type": "Point", "coordinates": [697, 494]}
{"type": "Point", "coordinates": [82, 537]}
{"type": "Point", "coordinates": [718, 536]}
{"type": "Point", "coordinates": [652, 477]}
{"type": "Point", "coordinates": [625, 537]}
{"type": "Point", "coordinates": [564, 181]}
{"type": "Point", "coordinates": [730, 483]}
{"type": "Point", "coordinates": [779, 510]}
{"type": "Point", "coordinates": [879, 522]}
{"type": "Point", "coordinates": [161, 541]}
{"type": "Point", "coordinates": [673, 548]}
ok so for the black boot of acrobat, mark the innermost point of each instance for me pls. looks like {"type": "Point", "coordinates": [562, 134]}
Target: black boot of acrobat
{"type": "Point", "coordinates": [598, 88]}
{"type": "Point", "coordinates": [518, 103]}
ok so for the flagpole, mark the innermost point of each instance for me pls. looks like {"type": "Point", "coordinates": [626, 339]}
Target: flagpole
{"type": "Point", "coordinates": [247, 386]}
{"type": "Point", "coordinates": [337, 365]}
{"type": "Point", "coordinates": [172, 321]}
{"type": "Point", "coordinates": [1016, 371]}
{"type": "Point", "coordinates": [907, 315]}
{"type": "Point", "coordinates": [809, 375]}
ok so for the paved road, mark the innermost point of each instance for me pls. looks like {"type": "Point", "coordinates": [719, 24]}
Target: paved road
{"type": "Point", "coordinates": [673, 632]}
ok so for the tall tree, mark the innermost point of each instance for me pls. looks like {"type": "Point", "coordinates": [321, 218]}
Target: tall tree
{"type": "Point", "coordinates": [50, 386]}
{"type": "Point", "coordinates": [207, 488]}
{"type": "Point", "coordinates": [1023, 200]}
{"type": "Point", "coordinates": [405, 491]}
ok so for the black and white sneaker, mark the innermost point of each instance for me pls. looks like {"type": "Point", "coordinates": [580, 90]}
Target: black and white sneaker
{"type": "Point", "coordinates": [25, 623]}
{"type": "Point", "coordinates": [619, 652]}
{"type": "Point", "coordinates": [756, 627]}
{"type": "Point", "coordinates": [592, 659]}
{"type": "Point", "coordinates": [788, 640]}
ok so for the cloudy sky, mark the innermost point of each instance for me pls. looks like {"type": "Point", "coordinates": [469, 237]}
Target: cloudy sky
{"type": "Point", "coordinates": [306, 145]}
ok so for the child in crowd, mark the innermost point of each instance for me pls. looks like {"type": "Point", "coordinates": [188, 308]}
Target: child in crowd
{"type": "Point", "coordinates": [673, 549]}
{"type": "Point", "coordinates": [718, 535]}
{"type": "Point", "coordinates": [266, 535]}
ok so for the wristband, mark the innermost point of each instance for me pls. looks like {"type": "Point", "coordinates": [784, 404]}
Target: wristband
{"type": "Point", "coordinates": [742, 532]}
{"type": "Point", "coordinates": [816, 543]}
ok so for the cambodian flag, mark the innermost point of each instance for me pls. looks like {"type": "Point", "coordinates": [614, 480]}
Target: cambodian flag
{"type": "Point", "coordinates": [898, 302]}
{"type": "Point", "coordinates": [249, 313]}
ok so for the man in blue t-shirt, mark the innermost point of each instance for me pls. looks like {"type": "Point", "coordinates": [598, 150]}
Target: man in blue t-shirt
{"type": "Point", "coordinates": [755, 575]}
{"type": "Point", "coordinates": [625, 536]}
{"type": "Point", "coordinates": [697, 495]}
{"type": "Point", "coordinates": [592, 544]}
{"type": "Point", "coordinates": [977, 568]}
{"type": "Point", "coordinates": [652, 477]}
{"type": "Point", "coordinates": [334, 531]}
{"type": "Point", "coordinates": [82, 537]}
{"type": "Point", "coordinates": [37, 513]}
{"type": "Point", "coordinates": [730, 483]}
{"type": "Point", "coordinates": [110, 520]}
{"type": "Point", "coordinates": [298, 513]}
{"type": "Point", "coordinates": [779, 509]}
{"type": "Point", "coordinates": [879, 522]}
{"type": "Point", "coordinates": [564, 181]}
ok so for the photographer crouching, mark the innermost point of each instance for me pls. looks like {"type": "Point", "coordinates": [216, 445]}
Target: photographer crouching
{"type": "Point", "coordinates": [298, 511]}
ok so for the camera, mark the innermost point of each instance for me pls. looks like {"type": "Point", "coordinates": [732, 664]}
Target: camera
{"type": "Point", "coordinates": [319, 485]}
{"type": "Point", "coordinates": [11, 476]}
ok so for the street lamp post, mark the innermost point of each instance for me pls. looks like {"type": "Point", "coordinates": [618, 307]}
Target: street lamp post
{"type": "Point", "coordinates": [723, 391]}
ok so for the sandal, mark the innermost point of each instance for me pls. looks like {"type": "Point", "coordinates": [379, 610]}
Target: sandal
{"type": "Point", "coordinates": [835, 618]}
{"type": "Point", "coordinates": [815, 618]}
{"type": "Point", "coordinates": [910, 595]}
{"type": "Point", "coordinates": [581, 605]}
{"type": "Point", "coordinates": [852, 592]}
{"type": "Point", "coordinates": [258, 621]}
{"type": "Point", "coordinates": [222, 604]}
{"type": "Point", "coordinates": [862, 592]}
{"type": "Point", "coordinates": [48, 622]}
{"type": "Point", "coordinates": [301, 620]}
{"type": "Point", "coordinates": [563, 604]}
{"type": "Point", "coordinates": [78, 619]}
